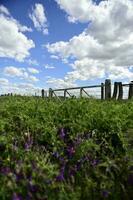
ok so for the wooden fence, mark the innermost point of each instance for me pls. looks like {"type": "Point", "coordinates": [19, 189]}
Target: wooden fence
{"type": "Point", "coordinates": [105, 91]}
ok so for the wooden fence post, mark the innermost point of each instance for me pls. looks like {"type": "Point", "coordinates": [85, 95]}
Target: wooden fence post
{"type": "Point", "coordinates": [102, 91]}
{"type": "Point", "coordinates": [107, 89]}
{"type": "Point", "coordinates": [115, 90]}
{"type": "Point", "coordinates": [130, 93]}
{"type": "Point", "coordinates": [42, 93]}
{"type": "Point", "coordinates": [81, 92]}
{"type": "Point", "coordinates": [50, 93]}
{"type": "Point", "coordinates": [120, 96]}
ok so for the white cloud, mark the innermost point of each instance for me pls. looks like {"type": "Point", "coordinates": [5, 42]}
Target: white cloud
{"type": "Point", "coordinates": [13, 43]}
{"type": "Point", "coordinates": [54, 57]}
{"type": "Point", "coordinates": [24, 28]}
{"type": "Point", "coordinates": [20, 88]}
{"type": "Point", "coordinates": [13, 71]}
{"type": "Point", "coordinates": [116, 73]}
{"type": "Point", "coordinates": [33, 70]}
{"type": "Point", "coordinates": [39, 18]}
{"type": "Point", "coordinates": [33, 78]}
{"type": "Point", "coordinates": [49, 66]}
{"type": "Point", "coordinates": [4, 10]}
{"type": "Point", "coordinates": [26, 85]}
{"type": "Point", "coordinates": [4, 81]}
{"type": "Point", "coordinates": [77, 11]}
{"type": "Point", "coordinates": [86, 69]}
{"type": "Point", "coordinates": [60, 83]}
{"type": "Point", "coordinates": [79, 47]}
{"type": "Point", "coordinates": [32, 62]}
{"type": "Point", "coordinates": [21, 73]}
{"type": "Point", "coordinates": [105, 47]}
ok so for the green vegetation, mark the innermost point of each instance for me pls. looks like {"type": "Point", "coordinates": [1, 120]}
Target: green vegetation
{"type": "Point", "coordinates": [76, 149]}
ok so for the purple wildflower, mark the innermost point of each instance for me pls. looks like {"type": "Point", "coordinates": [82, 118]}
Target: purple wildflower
{"type": "Point", "coordinates": [95, 162]}
{"type": "Point", "coordinates": [5, 170]}
{"type": "Point", "coordinates": [105, 193]}
{"type": "Point", "coordinates": [62, 133]}
{"type": "Point", "coordinates": [60, 177]}
{"type": "Point", "coordinates": [130, 179]}
{"type": "Point", "coordinates": [55, 154]}
{"type": "Point", "coordinates": [29, 196]}
{"type": "Point", "coordinates": [16, 197]}
{"type": "Point", "coordinates": [28, 144]}
{"type": "Point", "coordinates": [62, 160]}
{"type": "Point", "coordinates": [78, 165]}
{"type": "Point", "coordinates": [19, 176]}
{"type": "Point", "coordinates": [72, 173]}
{"type": "Point", "coordinates": [77, 141]}
{"type": "Point", "coordinates": [32, 187]}
{"type": "Point", "coordinates": [70, 151]}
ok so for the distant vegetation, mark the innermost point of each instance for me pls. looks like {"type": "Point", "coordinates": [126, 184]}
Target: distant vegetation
{"type": "Point", "coordinates": [71, 150]}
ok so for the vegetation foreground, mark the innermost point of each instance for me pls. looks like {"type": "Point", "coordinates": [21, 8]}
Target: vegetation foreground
{"type": "Point", "coordinates": [73, 150]}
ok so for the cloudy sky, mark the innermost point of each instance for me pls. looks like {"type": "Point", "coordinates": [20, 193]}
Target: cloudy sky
{"type": "Point", "coordinates": [64, 43]}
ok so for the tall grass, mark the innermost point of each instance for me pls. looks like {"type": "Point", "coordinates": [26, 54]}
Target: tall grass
{"type": "Point", "coordinates": [74, 149]}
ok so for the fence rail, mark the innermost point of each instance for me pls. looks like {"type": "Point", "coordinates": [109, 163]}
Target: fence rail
{"type": "Point", "coordinates": [105, 90]}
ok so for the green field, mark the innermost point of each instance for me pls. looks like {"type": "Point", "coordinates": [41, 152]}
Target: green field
{"type": "Point", "coordinates": [70, 150]}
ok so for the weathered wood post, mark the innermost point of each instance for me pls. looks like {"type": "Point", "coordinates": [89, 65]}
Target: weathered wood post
{"type": "Point", "coordinates": [107, 89]}
{"type": "Point", "coordinates": [120, 96]}
{"type": "Point", "coordinates": [115, 90]}
{"type": "Point", "coordinates": [130, 93]}
{"type": "Point", "coordinates": [102, 91]}
{"type": "Point", "coordinates": [81, 92]}
{"type": "Point", "coordinates": [50, 93]}
{"type": "Point", "coordinates": [43, 93]}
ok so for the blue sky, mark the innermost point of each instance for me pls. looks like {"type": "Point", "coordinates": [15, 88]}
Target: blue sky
{"type": "Point", "coordinates": [62, 43]}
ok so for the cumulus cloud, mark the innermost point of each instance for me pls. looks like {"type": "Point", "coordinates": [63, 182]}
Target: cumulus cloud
{"type": "Point", "coordinates": [31, 61]}
{"type": "Point", "coordinates": [77, 11]}
{"type": "Point", "coordinates": [33, 78]}
{"type": "Point", "coordinates": [4, 10]}
{"type": "Point", "coordinates": [105, 47]}
{"type": "Point", "coordinates": [86, 69]}
{"type": "Point", "coordinates": [13, 43]}
{"type": "Point", "coordinates": [21, 73]}
{"type": "Point", "coordinates": [33, 70]}
{"type": "Point", "coordinates": [13, 71]}
{"type": "Point", "coordinates": [120, 73]}
{"type": "Point", "coordinates": [4, 81]}
{"type": "Point", "coordinates": [78, 47]}
{"type": "Point", "coordinates": [60, 83]}
{"type": "Point", "coordinates": [39, 18]}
